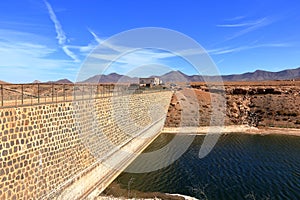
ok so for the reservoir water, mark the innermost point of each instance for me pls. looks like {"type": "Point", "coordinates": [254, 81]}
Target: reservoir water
{"type": "Point", "coordinates": [239, 167]}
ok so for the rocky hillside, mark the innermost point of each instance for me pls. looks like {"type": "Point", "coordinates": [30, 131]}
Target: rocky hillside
{"type": "Point", "coordinates": [277, 106]}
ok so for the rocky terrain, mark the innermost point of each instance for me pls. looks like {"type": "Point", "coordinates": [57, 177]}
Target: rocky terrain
{"type": "Point", "coordinates": [262, 104]}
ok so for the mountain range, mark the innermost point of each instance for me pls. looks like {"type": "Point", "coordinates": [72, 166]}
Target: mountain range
{"type": "Point", "coordinates": [178, 76]}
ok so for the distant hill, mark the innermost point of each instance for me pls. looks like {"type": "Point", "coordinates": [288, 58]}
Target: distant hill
{"type": "Point", "coordinates": [36, 81]}
{"type": "Point", "coordinates": [61, 81]}
{"type": "Point", "coordinates": [3, 82]}
{"type": "Point", "coordinates": [178, 76]}
{"type": "Point", "coordinates": [64, 81]}
{"type": "Point", "coordinates": [111, 78]}
{"type": "Point", "coordinates": [175, 76]}
{"type": "Point", "coordinates": [259, 75]}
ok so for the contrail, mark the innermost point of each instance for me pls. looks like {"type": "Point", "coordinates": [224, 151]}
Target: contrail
{"type": "Point", "coordinates": [61, 36]}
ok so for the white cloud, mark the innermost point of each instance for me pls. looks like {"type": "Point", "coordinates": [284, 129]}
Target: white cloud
{"type": "Point", "coordinates": [96, 37]}
{"type": "Point", "coordinates": [61, 36]}
{"type": "Point", "coordinates": [227, 50]}
{"type": "Point", "coordinates": [236, 18]}
{"type": "Point", "coordinates": [122, 59]}
{"type": "Point", "coordinates": [249, 26]}
{"type": "Point", "coordinates": [26, 57]}
{"type": "Point", "coordinates": [243, 24]}
{"type": "Point", "coordinates": [261, 23]}
{"type": "Point", "coordinates": [58, 28]}
{"type": "Point", "coordinates": [70, 54]}
{"type": "Point", "coordinates": [111, 57]}
{"type": "Point", "coordinates": [108, 51]}
{"type": "Point", "coordinates": [110, 46]}
{"type": "Point", "coordinates": [83, 49]}
{"type": "Point", "coordinates": [24, 48]}
{"type": "Point", "coordinates": [25, 54]}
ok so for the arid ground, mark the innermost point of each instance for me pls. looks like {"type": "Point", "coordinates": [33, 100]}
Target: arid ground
{"type": "Point", "coordinates": [259, 104]}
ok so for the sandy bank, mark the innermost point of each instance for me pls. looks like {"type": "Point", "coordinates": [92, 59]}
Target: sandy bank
{"type": "Point", "coordinates": [202, 130]}
{"type": "Point", "coordinates": [115, 191]}
{"type": "Point", "coordinates": [123, 198]}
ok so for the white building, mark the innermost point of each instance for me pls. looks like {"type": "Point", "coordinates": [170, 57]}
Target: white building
{"type": "Point", "coordinates": [149, 82]}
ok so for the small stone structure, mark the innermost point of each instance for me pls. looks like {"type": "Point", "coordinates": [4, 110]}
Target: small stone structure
{"type": "Point", "coordinates": [44, 148]}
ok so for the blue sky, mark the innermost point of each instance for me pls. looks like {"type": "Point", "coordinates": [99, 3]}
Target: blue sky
{"type": "Point", "coordinates": [49, 40]}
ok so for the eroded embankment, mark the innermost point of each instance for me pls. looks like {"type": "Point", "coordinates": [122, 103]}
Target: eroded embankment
{"type": "Point", "coordinates": [253, 106]}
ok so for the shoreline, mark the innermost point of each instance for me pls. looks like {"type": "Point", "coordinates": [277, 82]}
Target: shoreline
{"type": "Point", "coordinates": [232, 129]}
{"type": "Point", "coordinates": [115, 191]}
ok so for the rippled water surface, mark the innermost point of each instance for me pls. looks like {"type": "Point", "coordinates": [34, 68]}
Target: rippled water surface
{"type": "Point", "coordinates": [239, 167]}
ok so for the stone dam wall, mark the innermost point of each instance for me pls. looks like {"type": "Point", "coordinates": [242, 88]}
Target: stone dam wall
{"type": "Point", "coordinates": [46, 149]}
